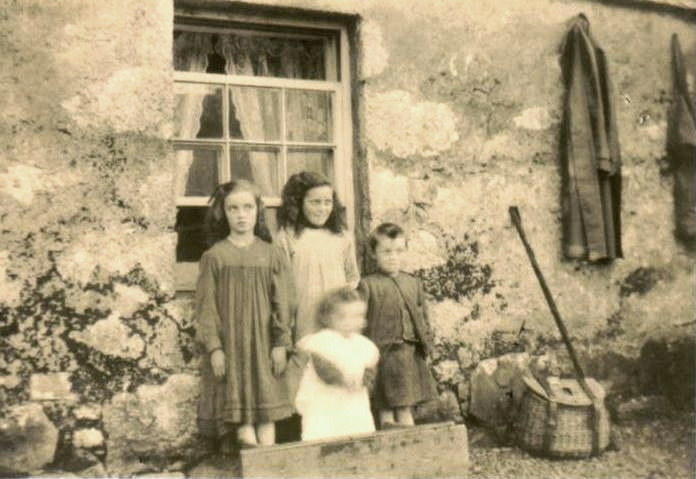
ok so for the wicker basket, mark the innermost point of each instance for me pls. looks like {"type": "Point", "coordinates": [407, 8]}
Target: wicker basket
{"type": "Point", "coordinates": [565, 417]}
{"type": "Point", "coordinates": [561, 420]}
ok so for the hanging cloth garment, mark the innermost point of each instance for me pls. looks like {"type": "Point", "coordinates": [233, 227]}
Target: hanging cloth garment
{"type": "Point", "coordinates": [590, 153]}
{"type": "Point", "coordinates": [681, 148]}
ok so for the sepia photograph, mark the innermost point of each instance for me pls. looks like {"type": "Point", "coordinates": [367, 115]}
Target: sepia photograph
{"type": "Point", "coordinates": [348, 239]}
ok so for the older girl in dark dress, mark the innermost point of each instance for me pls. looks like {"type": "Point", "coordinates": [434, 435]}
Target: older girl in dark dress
{"type": "Point", "coordinates": [243, 318]}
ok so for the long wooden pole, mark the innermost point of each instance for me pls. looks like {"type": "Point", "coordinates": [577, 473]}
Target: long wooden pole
{"type": "Point", "coordinates": [598, 409]}
{"type": "Point", "coordinates": [517, 221]}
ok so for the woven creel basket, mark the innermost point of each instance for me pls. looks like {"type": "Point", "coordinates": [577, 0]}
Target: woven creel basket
{"type": "Point", "coordinates": [561, 420]}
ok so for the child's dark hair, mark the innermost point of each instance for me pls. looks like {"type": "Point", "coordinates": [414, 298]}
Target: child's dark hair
{"type": "Point", "coordinates": [290, 212]}
{"type": "Point", "coordinates": [330, 301]}
{"type": "Point", "coordinates": [216, 224]}
{"type": "Point", "coordinates": [390, 230]}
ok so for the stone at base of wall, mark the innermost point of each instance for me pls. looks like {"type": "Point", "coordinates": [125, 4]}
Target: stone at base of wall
{"type": "Point", "coordinates": [81, 462]}
{"type": "Point", "coordinates": [28, 437]}
{"type": "Point", "coordinates": [55, 386]}
{"type": "Point", "coordinates": [642, 407]}
{"type": "Point", "coordinates": [444, 408]}
{"type": "Point", "coordinates": [148, 428]}
{"type": "Point", "coordinates": [667, 367]}
{"type": "Point", "coordinates": [495, 385]}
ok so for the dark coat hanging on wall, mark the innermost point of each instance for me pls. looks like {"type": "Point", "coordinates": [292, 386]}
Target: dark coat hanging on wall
{"type": "Point", "coordinates": [590, 153]}
{"type": "Point", "coordinates": [681, 148]}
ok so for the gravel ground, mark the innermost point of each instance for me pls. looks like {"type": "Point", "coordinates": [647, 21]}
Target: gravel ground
{"type": "Point", "coordinates": [657, 448]}
{"type": "Point", "coordinates": [660, 448]}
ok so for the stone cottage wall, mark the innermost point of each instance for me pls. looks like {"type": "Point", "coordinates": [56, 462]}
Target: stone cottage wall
{"type": "Point", "coordinates": [459, 112]}
{"type": "Point", "coordinates": [90, 331]}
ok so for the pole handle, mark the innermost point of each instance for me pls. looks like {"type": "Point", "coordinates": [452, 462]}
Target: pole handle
{"type": "Point", "coordinates": [516, 219]}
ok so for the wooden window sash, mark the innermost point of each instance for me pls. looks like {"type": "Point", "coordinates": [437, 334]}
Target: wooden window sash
{"type": "Point", "coordinates": [337, 65]}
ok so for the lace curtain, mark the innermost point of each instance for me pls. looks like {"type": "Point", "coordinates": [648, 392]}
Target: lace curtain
{"type": "Point", "coordinates": [193, 166]}
{"type": "Point", "coordinates": [256, 116]}
{"type": "Point", "coordinates": [257, 55]}
{"type": "Point", "coordinates": [254, 112]}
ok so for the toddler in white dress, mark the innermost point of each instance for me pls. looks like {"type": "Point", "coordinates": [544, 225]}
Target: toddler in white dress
{"type": "Point", "coordinates": [333, 396]}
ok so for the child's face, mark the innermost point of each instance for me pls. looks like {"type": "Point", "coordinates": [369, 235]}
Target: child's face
{"type": "Point", "coordinates": [349, 318]}
{"type": "Point", "coordinates": [240, 210]}
{"type": "Point", "coordinates": [389, 252]}
{"type": "Point", "coordinates": [317, 205]}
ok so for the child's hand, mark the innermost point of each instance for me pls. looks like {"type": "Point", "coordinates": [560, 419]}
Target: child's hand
{"type": "Point", "coordinates": [369, 378]}
{"type": "Point", "coordinates": [217, 361]}
{"type": "Point", "coordinates": [424, 351]}
{"type": "Point", "coordinates": [279, 358]}
{"type": "Point", "coordinates": [327, 371]}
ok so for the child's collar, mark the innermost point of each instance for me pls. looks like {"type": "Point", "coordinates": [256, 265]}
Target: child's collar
{"type": "Point", "coordinates": [241, 244]}
{"type": "Point", "coordinates": [390, 275]}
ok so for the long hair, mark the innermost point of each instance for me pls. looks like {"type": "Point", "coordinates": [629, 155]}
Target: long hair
{"type": "Point", "coordinates": [290, 213]}
{"type": "Point", "coordinates": [331, 300]}
{"type": "Point", "coordinates": [216, 225]}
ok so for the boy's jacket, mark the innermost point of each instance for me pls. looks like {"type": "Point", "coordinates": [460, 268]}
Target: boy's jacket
{"type": "Point", "coordinates": [381, 292]}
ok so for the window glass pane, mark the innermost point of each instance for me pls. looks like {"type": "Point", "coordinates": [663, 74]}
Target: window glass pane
{"type": "Point", "coordinates": [196, 171]}
{"type": "Point", "coordinates": [319, 160]}
{"type": "Point", "coordinates": [255, 113]}
{"type": "Point", "coordinates": [271, 215]}
{"type": "Point", "coordinates": [197, 111]}
{"type": "Point", "coordinates": [255, 54]}
{"type": "Point", "coordinates": [309, 116]}
{"type": "Point", "coordinates": [257, 164]}
{"type": "Point", "coordinates": [190, 233]}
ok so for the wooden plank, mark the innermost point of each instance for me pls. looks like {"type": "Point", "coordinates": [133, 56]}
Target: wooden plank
{"type": "Point", "coordinates": [434, 450]}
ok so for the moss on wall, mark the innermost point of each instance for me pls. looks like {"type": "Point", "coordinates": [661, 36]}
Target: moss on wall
{"type": "Point", "coordinates": [458, 110]}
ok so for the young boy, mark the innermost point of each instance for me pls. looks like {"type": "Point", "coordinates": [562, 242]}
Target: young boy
{"type": "Point", "coordinates": [397, 322]}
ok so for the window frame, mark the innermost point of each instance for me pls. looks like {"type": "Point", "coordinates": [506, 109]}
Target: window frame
{"type": "Point", "coordinates": [215, 20]}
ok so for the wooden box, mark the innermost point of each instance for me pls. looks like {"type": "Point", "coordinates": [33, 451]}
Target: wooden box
{"type": "Point", "coordinates": [433, 450]}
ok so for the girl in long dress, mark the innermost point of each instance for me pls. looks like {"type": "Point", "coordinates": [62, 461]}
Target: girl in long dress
{"type": "Point", "coordinates": [314, 237]}
{"type": "Point", "coordinates": [243, 322]}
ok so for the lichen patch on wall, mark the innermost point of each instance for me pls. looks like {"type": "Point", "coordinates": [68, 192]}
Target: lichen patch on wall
{"type": "Point", "coordinates": [460, 105]}
{"type": "Point", "coordinates": [113, 252]}
{"type": "Point", "coordinates": [9, 288]}
{"type": "Point", "coordinates": [375, 56]}
{"type": "Point", "coordinates": [535, 118]}
{"type": "Point", "coordinates": [23, 182]}
{"type": "Point", "coordinates": [111, 337]}
{"type": "Point", "coordinates": [387, 191]}
{"type": "Point", "coordinates": [404, 126]}
{"type": "Point", "coordinates": [107, 105]}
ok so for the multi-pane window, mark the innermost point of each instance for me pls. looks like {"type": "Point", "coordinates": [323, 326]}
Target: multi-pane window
{"type": "Point", "coordinates": [257, 102]}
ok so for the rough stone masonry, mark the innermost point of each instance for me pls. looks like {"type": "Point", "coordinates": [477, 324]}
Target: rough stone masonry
{"type": "Point", "coordinates": [458, 112]}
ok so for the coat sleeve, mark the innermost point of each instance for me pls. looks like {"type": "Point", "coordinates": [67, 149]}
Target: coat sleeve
{"type": "Point", "coordinates": [371, 354]}
{"type": "Point", "coordinates": [423, 306]}
{"type": "Point", "coordinates": [350, 264]}
{"type": "Point", "coordinates": [364, 292]}
{"type": "Point", "coordinates": [209, 326]}
{"type": "Point", "coordinates": [285, 243]}
{"type": "Point", "coordinates": [281, 294]}
{"type": "Point", "coordinates": [282, 240]}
